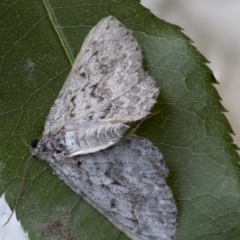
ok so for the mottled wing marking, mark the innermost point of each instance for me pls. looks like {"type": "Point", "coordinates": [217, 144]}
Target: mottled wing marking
{"type": "Point", "coordinates": [126, 183]}
{"type": "Point", "coordinates": [106, 80]}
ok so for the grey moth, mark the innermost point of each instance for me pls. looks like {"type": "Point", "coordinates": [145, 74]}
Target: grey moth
{"type": "Point", "coordinates": [84, 141]}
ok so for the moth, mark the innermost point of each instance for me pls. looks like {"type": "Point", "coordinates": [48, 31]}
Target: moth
{"type": "Point", "coordinates": [84, 141]}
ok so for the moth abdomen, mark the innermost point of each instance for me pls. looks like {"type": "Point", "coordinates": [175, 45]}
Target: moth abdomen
{"type": "Point", "coordinates": [114, 132]}
{"type": "Point", "coordinates": [94, 138]}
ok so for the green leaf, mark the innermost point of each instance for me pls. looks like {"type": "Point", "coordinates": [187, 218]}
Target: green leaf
{"type": "Point", "coordinates": [39, 42]}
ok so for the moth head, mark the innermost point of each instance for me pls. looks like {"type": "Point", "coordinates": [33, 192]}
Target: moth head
{"type": "Point", "coordinates": [34, 148]}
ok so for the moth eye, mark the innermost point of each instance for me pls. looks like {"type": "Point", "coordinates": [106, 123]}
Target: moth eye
{"type": "Point", "coordinates": [34, 143]}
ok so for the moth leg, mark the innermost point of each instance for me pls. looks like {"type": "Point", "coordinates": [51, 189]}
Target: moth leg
{"type": "Point", "coordinates": [150, 115]}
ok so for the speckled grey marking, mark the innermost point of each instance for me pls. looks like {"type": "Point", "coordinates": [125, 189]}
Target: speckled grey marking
{"type": "Point", "coordinates": [106, 88]}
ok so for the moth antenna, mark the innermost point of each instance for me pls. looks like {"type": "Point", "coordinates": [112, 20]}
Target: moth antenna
{"type": "Point", "coordinates": [22, 183]}
{"type": "Point", "coordinates": [25, 142]}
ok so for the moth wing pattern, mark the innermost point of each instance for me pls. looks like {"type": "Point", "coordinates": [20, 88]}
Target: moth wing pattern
{"type": "Point", "coordinates": [106, 81]}
{"type": "Point", "coordinates": [127, 184]}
